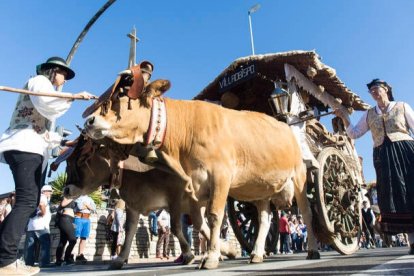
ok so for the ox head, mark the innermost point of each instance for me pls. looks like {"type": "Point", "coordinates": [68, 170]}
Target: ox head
{"type": "Point", "coordinates": [88, 167]}
{"type": "Point", "coordinates": [123, 112]}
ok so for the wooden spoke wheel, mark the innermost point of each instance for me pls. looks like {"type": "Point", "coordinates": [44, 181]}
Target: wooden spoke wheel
{"type": "Point", "coordinates": [243, 218]}
{"type": "Point", "coordinates": [338, 202]}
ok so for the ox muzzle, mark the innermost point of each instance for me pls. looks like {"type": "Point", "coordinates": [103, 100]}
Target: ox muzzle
{"type": "Point", "coordinates": [96, 128]}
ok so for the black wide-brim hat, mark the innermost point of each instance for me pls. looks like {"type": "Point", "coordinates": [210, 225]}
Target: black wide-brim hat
{"type": "Point", "coordinates": [56, 62]}
{"type": "Point", "coordinates": [376, 82]}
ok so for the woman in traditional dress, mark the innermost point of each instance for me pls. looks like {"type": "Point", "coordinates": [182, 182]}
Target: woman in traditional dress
{"type": "Point", "coordinates": [390, 123]}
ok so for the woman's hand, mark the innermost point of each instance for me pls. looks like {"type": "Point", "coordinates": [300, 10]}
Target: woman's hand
{"type": "Point", "coordinates": [343, 115]}
{"type": "Point", "coordinates": [338, 113]}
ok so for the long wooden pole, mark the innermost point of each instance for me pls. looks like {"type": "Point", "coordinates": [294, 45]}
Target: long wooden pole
{"type": "Point", "coordinates": [63, 95]}
{"type": "Point", "coordinates": [86, 29]}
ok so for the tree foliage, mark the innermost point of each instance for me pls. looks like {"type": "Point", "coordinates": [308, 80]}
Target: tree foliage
{"type": "Point", "coordinates": [59, 183]}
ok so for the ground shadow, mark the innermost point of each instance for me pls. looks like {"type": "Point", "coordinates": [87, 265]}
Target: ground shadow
{"type": "Point", "coordinates": [142, 239]}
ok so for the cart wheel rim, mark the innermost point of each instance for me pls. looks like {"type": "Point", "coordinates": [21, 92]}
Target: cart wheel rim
{"type": "Point", "coordinates": [338, 201]}
{"type": "Point", "coordinates": [246, 229]}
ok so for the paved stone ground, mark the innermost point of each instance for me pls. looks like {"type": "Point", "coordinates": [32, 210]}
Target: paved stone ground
{"type": "Point", "coordinates": [384, 261]}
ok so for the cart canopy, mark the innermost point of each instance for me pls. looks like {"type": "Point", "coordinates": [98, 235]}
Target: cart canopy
{"type": "Point", "coordinates": [250, 81]}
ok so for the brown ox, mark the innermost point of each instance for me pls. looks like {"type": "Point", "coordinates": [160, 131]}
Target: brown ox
{"type": "Point", "coordinates": [218, 152]}
{"type": "Point", "coordinates": [143, 188]}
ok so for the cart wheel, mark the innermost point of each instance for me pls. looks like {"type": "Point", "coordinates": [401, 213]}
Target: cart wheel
{"type": "Point", "coordinates": [243, 215]}
{"type": "Point", "coordinates": [338, 202]}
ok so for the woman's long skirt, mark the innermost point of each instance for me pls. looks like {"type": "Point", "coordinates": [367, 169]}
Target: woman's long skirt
{"type": "Point", "coordinates": [394, 166]}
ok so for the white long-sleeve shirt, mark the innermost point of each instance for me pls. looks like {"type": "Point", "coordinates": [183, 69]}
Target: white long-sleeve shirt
{"type": "Point", "coordinates": [27, 139]}
{"type": "Point", "coordinates": [164, 219]}
{"type": "Point", "coordinates": [362, 127]}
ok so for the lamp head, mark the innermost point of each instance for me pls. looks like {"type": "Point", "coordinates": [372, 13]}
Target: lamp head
{"type": "Point", "coordinates": [254, 8]}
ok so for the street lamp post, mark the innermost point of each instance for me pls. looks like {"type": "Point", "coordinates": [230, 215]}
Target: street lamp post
{"type": "Point", "coordinates": [252, 10]}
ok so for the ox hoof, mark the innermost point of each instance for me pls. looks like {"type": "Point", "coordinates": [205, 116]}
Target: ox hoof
{"type": "Point", "coordinates": [255, 259]}
{"type": "Point", "coordinates": [116, 264]}
{"type": "Point", "coordinates": [313, 255]}
{"type": "Point", "coordinates": [210, 264]}
{"type": "Point", "coordinates": [188, 259]}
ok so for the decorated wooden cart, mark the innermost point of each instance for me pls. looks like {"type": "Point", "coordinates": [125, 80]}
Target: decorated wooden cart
{"type": "Point", "coordinates": [296, 87]}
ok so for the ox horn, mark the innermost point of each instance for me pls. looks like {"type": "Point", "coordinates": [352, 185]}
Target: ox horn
{"type": "Point", "coordinates": [126, 72]}
{"type": "Point", "coordinates": [151, 156]}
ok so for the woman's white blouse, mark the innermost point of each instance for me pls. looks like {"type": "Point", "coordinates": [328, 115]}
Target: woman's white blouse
{"type": "Point", "coordinates": [362, 127]}
{"type": "Point", "coordinates": [27, 139]}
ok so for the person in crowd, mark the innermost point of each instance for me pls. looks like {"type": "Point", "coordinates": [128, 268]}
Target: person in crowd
{"type": "Point", "coordinates": [390, 123]}
{"type": "Point", "coordinates": [368, 221]}
{"type": "Point", "coordinates": [271, 246]}
{"type": "Point", "coordinates": [152, 222]}
{"type": "Point", "coordinates": [11, 200]}
{"type": "Point", "coordinates": [117, 228]}
{"type": "Point", "coordinates": [187, 228]}
{"type": "Point", "coordinates": [293, 232]}
{"type": "Point", "coordinates": [284, 232]}
{"type": "Point", "coordinates": [302, 235]}
{"type": "Point", "coordinates": [3, 203]}
{"type": "Point", "coordinates": [25, 146]}
{"type": "Point", "coordinates": [65, 222]}
{"type": "Point", "coordinates": [244, 229]}
{"type": "Point", "coordinates": [224, 228]}
{"type": "Point", "coordinates": [163, 234]}
{"type": "Point", "coordinates": [84, 207]}
{"type": "Point", "coordinates": [38, 231]}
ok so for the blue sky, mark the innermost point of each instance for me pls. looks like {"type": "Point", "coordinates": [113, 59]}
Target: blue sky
{"type": "Point", "coordinates": [191, 42]}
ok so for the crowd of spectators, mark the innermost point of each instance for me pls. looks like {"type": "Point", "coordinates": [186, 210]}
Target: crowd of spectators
{"type": "Point", "coordinates": [293, 233]}
{"type": "Point", "coordinates": [292, 230]}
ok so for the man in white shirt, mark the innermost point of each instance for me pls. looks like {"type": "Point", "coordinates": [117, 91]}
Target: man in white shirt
{"type": "Point", "coordinates": [38, 230]}
{"type": "Point", "coordinates": [163, 234]}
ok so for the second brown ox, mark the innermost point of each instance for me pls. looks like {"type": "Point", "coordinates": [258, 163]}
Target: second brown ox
{"type": "Point", "coordinates": [217, 152]}
{"type": "Point", "coordinates": [143, 189]}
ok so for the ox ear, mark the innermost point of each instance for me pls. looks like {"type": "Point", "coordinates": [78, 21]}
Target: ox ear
{"type": "Point", "coordinates": [157, 88]}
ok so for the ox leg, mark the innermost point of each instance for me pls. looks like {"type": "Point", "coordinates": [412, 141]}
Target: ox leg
{"type": "Point", "coordinates": [218, 196]}
{"type": "Point", "coordinates": [304, 206]}
{"type": "Point", "coordinates": [188, 256]}
{"type": "Point", "coordinates": [130, 230]}
{"type": "Point", "coordinates": [263, 210]}
{"type": "Point", "coordinates": [226, 248]}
